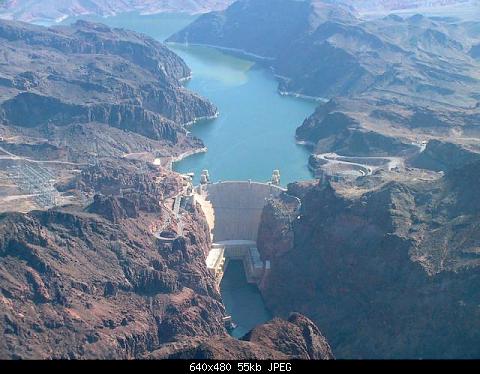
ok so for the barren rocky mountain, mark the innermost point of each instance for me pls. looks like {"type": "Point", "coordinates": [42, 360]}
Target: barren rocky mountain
{"type": "Point", "coordinates": [56, 10]}
{"type": "Point", "coordinates": [396, 5]}
{"type": "Point", "coordinates": [91, 73]}
{"type": "Point", "coordinates": [323, 50]}
{"type": "Point", "coordinates": [387, 268]}
{"type": "Point", "coordinates": [89, 282]}
{"type": "Point", "coordinates": [103, 247]}
{"type": "Point", "coordinates": [72, 94]}
{"type": "Point", "coordinates": [294, 338]}
{"type": "Point", "coordinates": [392, 131]}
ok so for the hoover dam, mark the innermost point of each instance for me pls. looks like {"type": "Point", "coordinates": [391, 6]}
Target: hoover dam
{"type": "Point", "coordinates": [233, 211]}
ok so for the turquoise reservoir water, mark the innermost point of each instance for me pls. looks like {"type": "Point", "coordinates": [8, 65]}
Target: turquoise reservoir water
{"type": "Point", "coordinates": [255, 132]}
{"type": "Point", "coordinates": [253, 136]}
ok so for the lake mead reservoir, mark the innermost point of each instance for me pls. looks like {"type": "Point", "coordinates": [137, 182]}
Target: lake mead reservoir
{"type": "Point", "coordinates": [255, 132]}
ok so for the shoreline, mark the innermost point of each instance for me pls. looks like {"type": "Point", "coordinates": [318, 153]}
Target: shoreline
{"type": "Point", "coordinates": [174, 159]}
{"type": "Point", "coordinates": [198, 119]}
{"type": "Point", "coordinates": [185, 79]}
{"type": "Point", "coordinates": [241, 52]}
{"type": "Point", "coordinates": [305, 143]}
{"type": "Point", "coordinates": [301, 96]}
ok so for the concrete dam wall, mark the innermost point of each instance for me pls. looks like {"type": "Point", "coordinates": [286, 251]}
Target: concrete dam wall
{"type": "Point", "coordinates": [237, 208]}
{"type": "Point", "coordinates": [234, 211]}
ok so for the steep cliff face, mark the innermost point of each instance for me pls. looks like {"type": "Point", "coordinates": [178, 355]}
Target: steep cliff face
{"type": "Point", "coordinates": [90, 73]}
{"type": "Point", "coordinates": [277, 222]}
{"type": "Point", "coordinates": [388, 273]}
{"type": "Point", "coordinates": [444, 156]}
{"type": "Point", "coordinates": [344, 127]}
{"type": "Point", "coordinates": [232, 28]}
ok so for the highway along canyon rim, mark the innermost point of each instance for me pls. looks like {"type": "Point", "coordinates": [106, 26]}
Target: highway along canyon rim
{"type": "Point", "coordinates": [253, 135]}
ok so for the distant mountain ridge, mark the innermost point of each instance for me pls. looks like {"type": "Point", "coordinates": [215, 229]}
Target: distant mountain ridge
{"type": "Point", "coordinates": [322, 49]}
{"type": "Point", "coordinates": [396, 5]}
{"type": "Point", "coordinates": [57, 10]}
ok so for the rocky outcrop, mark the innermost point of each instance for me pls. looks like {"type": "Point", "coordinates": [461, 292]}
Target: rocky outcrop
{"type": "Point", "coordinates": [390, 272]}
{"type": "Point", "coordinates": [277, 220]}
{"type": "Point", "coordinates": [90, 73]}
{"type": "Point", "coordinates": [443, 156]}
{"type": "Point", "coordinates": [42, 150]}
{"type": "Point", "coordinates": [295, 338]}
{"type": "Point", "coordinates": [124, 177]}
{"type": "Point", "coordinates": [31, 110]}
{"type": "Point", "coordinates": [113, 208]}
{"type": "Point", "coordinates": [93, 282]}
{"type": "Point", "coordinates": [337, 127]}
{"type": "Point", "coordinates": [298, 338]}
